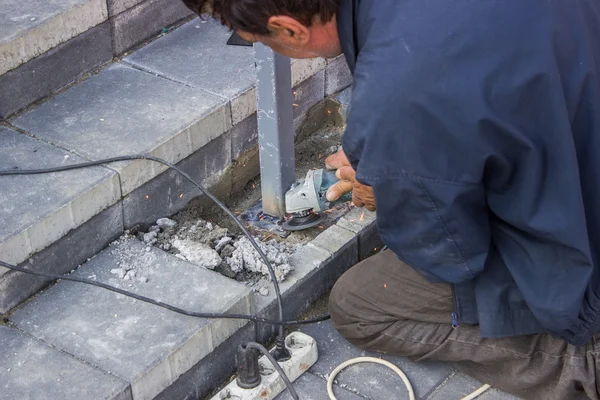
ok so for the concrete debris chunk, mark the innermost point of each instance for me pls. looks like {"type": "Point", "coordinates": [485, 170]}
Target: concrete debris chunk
{"type": "Point", "coordinates": [221, 243]}
{"type": "Point", "coordinates": [150, 237]}
{"type": "Point", "coordinates": [166, 223]}
{"type": "Point", "coordinates": [198, 253]}
{"type": "Point", "coordinates": [246, 257]}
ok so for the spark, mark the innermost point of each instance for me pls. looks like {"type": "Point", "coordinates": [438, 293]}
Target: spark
{"type": "Point", "coordinates": [362, 216]}
{"type": "Point", "coordinates": [265, 239]}
{"type": "Point", "coordinates": [147, 196]}
{"type": "Point", "coordinates": [296, 105]}
{"type": "Point", "coordinates": [385, 285]}
{"type": "Point", "coordinates": [328, 111]}
{"type": "Point", "coordinates": [181, 196]}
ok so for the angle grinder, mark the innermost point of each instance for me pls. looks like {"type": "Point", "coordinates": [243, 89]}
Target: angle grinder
{"type": "Point", "coordinates": [307, 200]}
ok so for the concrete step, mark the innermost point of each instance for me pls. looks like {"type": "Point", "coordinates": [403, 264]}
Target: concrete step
{"type": "Point", "coordinates": [159, 103]}
{"type": "Point", "coordinates": [45, 46]}
{"type": "Point", "coordinates": [122, 348]}
{"type": "Point", "coordinates": [146, 346]}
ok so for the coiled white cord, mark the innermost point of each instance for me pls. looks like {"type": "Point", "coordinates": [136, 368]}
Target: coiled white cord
{"type": "Point", "coordinates": [402, 375]}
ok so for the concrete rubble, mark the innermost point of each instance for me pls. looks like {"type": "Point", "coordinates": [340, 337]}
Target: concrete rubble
{"type": "Point", "coordinates": [210, 246]}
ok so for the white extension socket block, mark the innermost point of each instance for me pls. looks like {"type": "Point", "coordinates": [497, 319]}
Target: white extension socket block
{"type": "Point", "coordinates": [304, 354]}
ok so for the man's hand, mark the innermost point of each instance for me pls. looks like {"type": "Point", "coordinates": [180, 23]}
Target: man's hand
{"type": "Point", "coordinates": [362, 195]}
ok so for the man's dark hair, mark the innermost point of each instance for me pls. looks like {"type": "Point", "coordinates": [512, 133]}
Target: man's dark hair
{"type": "Point", "coordinates": [252, 16]}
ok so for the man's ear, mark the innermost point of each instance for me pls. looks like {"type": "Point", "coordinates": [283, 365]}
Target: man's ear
{"type": "Point", "coordinates": [289, 29]}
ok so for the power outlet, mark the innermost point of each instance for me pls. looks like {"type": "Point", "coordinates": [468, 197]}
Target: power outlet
{"type": "Point", "coordinates": [304, 354]}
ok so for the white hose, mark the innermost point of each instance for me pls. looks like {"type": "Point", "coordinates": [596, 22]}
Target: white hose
{"type": "Point", "coordinates": [402, 375]}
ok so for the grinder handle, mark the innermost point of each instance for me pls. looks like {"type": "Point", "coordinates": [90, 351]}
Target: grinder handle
{"type": "Point", "coordinates": [329, 179]}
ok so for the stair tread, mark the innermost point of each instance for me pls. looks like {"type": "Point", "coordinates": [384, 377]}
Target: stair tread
{"type": "Point", "coordinates": [34, 370]}
{"type": "Point", "coordinates": [30, 28]}
{"type": "Point", "coordinates": [197, 55]}
{"type": "Point", "coordinates": [124, 111]}
{"type": "Point", "coordinates": [146, 345]}
{"type": "Point", "coordinates": [38, 209]}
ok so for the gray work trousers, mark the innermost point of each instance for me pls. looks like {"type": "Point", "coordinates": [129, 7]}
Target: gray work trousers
{"type": "Point", "coordinates": [384, 305]}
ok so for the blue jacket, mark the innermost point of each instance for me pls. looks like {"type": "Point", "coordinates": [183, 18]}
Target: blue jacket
{"type": "Point", "coordinates": [477, 123]}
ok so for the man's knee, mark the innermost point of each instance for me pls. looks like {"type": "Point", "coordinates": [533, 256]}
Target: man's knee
{"type": "Point", "coordinates": [350, 309]}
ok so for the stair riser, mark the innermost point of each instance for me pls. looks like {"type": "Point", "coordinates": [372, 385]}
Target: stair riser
{"type": "Point", "coordinates": [54, 69]}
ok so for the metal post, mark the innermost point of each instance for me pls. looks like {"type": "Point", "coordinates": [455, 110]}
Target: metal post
{"type": "Point", "coordinates": [275, 128]}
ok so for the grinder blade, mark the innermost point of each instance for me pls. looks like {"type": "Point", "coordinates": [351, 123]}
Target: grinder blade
{"type": "Point", "coordinates": [301, 222]}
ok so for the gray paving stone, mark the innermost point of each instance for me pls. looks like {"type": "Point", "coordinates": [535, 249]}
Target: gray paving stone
{"type": "Point", "coordinates": [37, 210]}
{"type": "Point", "coordinates": [143, 344]}
{"type": "Point", "coordinates": [302, 69]}
{"type": "Point", "coordinates": [197, 55]}
{"type": "Point", "coordinates": [169, 192]}
{"type": "Point", "coordinates": [124, 111]}
{"type": "Point", "coordinates": [457, 386]}
{"type": "Point", "coordinates": [33, 370]}
{"type": "Point", "coordinates": [363, 223]}
{"type": "Point", "coordinates": [334, 239]}
{"type": "Point", "coordinates": [145, 20]}
{"type": "Point", "coordinates": [118, 6]}
{"type": "Point", "coordinates": [61, 256]}
{"type": "Point", "coordinates": [495, 394]}
{"type": "Point", "coordinates": [371, 381]}
{"type": "Point", "coordinates": [337, 75]}
{"type": "Point", "coordinates": [244, 136]}
{"type": "Point", "coordinates": [28, 29]}
{"type": "Point", "coordinates": [54, 69]}
{"type": "Point", "coordinates": [310, 387]}
{"type": "Point", "coordinates": [308, 93]}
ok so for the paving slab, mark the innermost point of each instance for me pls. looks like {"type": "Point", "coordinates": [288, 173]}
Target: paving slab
{"type": "Point", "coordinates": [311, 387]}
{"type": "Point", "coordinates": [144, 20]}
{"type": "Point", "coordinates": [54, 69]}
{"type": "Point", "coordinates": [370, 380]}
{"type": "Point", "coordinates": [457, 386]}
{"type": "Point", "coordinates": [124, 111]}
{"type": "Point", "coordinates": [197, 55]}
{"type": "Point", "coordinates": [338, 75]}
{"type": "Point", "coordinates": [33, 370]}
{"type": "Point", "coordinates": [118, 6]}
{"type": "Point", "coordinates": [145, 345]}
{"type": "Point", "coordinates": [364, 224]}
{"type": "Point", "coordinates": [30, 28]}
{"type": "Point", "coordinates": [37, 210]}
